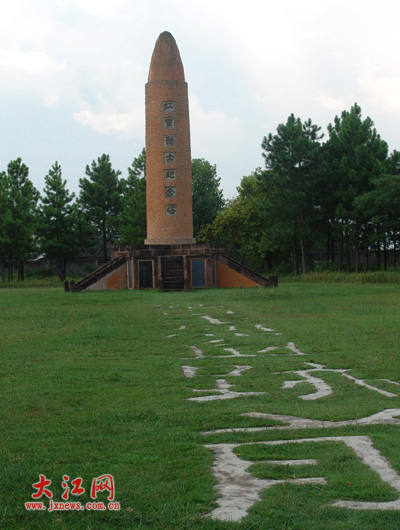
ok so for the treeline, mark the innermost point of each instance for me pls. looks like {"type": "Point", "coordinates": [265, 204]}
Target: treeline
{"type": "Point", "coordinates": [340, 197]}
{"type": "Point", "coordinates": [109, 209]}
{"type": "Point", "coordinates": [59, 225]}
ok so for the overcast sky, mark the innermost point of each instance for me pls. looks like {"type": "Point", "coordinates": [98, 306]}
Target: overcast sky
{"type": "Point", "coordinates": [72, 76]}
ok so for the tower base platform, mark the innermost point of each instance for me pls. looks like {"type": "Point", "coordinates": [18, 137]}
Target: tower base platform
{"type": "Point", "coordinates": [177, 267]}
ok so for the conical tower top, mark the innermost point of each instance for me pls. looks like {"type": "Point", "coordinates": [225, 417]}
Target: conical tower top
{"type": "Point", "coordinates": [166, 63]}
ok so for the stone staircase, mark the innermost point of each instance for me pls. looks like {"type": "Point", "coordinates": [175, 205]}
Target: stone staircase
{"type": "Point", "coordinates": [172, 273]}
{"type": "Point", "coordinates": [95, 276]}
{"type": "Point", "coordinates": [271, 281]}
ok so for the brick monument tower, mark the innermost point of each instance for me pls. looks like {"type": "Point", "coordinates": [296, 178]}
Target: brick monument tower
{"type": "Point", "coordinates": [168, 158]}
{"type": "Point", "coordinates": [170, 259]}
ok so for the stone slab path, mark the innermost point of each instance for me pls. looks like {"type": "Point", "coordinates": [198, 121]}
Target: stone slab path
{"type": "Point", "coordinates": [237, 489]}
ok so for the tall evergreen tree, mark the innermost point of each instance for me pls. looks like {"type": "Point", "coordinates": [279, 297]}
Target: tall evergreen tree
{"type": "Point", "coordinates": [5, 212]}
{"type": "Point", "coordinates": [382, 207]}
{"type": "Point", "coordinates": [100, 199]}
{"type": "Point", "coordinates": [393, 163]}
{"type": "Point", "coordinates": [291, 158]}
{"type": "Point", "coordinates": [132, 223]}
{"type": "Point", "coordinates": [18, 198]}
{"type": "Point", "coordinates": [58, 215]}
{"type": "Point", "coordinates": [138, 168]}
{"type": "Point", "coordinates": [357, 155]}
{"type": "Point", "coordinates": [207, 196]}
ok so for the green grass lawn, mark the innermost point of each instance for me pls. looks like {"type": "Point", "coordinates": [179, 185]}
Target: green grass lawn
{"type": "Point", "coordinates": [92, 384]}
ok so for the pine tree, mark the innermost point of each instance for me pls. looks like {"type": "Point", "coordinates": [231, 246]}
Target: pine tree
{"type": "Point", "coordinates": [291, 158]}
{"type": "Point", "coordinates": [132, 223]}
{"type": "Point", "coordinates": [100, 199]}
{"type": "Point", "coordinates": [18, 198]}
{"type": "Point", "coordinates": [207, 196]}
{"type": "Point", "coordinates": [357, 155]}
{"type": "Point", "coordinates": [57, 226]}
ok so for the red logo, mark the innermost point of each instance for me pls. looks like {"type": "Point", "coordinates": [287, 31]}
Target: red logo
{"type": "Point", "coordinates": [105, 482]}
{"type": "Point", "coordinates": [41, 488]}
{"type": "Point", "coordinates": [76, 490]}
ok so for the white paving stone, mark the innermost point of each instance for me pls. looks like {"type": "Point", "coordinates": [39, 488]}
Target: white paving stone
{"type": "Point", "coordinates": [290, 346]}
{"type": "Point", "coordinates": [236, 353]}
{"type": "Point", "coordinates": [239, 369]}
{"type": "Point", "coordinates": [189, 371]}
{"type": "Point", "coordinates": [262, 328]}
{"type": "Point", "coordinates": [323, 389]}
{"type": "Point", "coordinates": [224, 392]}
{"type": "Point", "coordinates": [239, 490]}
{"type": "Point", "coordinates": [197, 351]}
{"type": "Point", "coordinates": [361, 382]}
{"type": "Point", "coordinates": [385, 417]}
{"type": "Point", "coordinates": [214, 320]}
{"type": "Point", "coordinates": [389, 381]}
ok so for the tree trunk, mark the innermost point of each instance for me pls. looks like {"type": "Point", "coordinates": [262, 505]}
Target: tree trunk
{"type": "Point", "coordinates": [378, 255]}
{"type": "Point", "coordinates": [295, 265]}
{"type": "Point", "coordinates": [328, 242]}
{"type": "Point", "coordinates": [347, 251]}
{"type": "Point", "coordinates": [341, 247]}
{"type": "Point", "coordinates": [268, 261]}
{"type": "Point", "coordinates": [385, 256]}
{"type": "Point", "coordinates": [3, 274]}
{"type": "Point", "coordinates": [105, 244]}
{"type": "Point", "coordinates": [367, 246]}
{"type": "Point", "coordinates": [61, 269]}
{"type": "Point", "coordinates": [357, 264]}
{"type": "Point", "coordinates": [303, 256]}
{"type": "Point", "coordinates": [22, 273]}
{"type": "Point", "coordinates": [394, 251]}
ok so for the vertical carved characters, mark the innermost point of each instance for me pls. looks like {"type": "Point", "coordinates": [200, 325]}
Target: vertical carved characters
{"type": "Point", "coordinates": [168, 156]}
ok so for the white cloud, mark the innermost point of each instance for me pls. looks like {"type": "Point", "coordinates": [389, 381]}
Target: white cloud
{"type": "Point", "coordinates": [31, 61]}
{"type": "Point", "coordinates": [99, 8]}
{"type": "Point", "coordinates": [51, 99]}
{"type": "Point", "coordinates": [212, 130]}
{"type": "Point", "coordinates": [109, 123]}
{"type": "Point", "coordinates": [220, 139]}
{"type": "Point", "coordinates": [384, 92]}
{"type": "Point", "coordinates": [379, 82]}
{"type": "Point", "coordinates": [331, 103]}
{"type": "Point", "coordinates": [33, 73]}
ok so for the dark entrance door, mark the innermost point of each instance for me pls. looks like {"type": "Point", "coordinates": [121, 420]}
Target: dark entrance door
{"type": "Point", "coordinates": [146, 275]}
{"type": "Point", "coordinates": [198, 273]}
